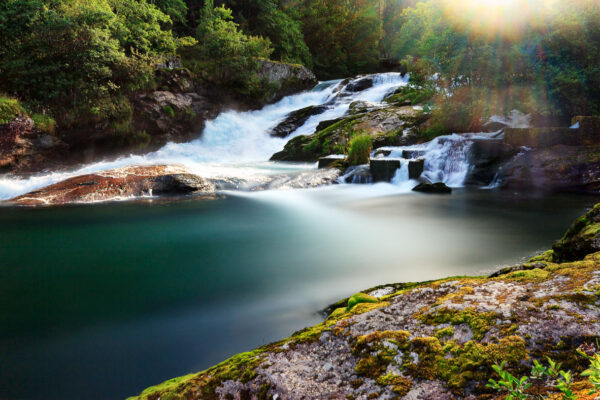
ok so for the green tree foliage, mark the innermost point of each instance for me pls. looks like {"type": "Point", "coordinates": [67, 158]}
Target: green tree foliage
{"type": "Point", "coordinates": [81, 57]}
{"type": "Point", "coordinates": [343, 35]}
{"type": "Point", "coordinates": [553, 53]}
{"type": "Point", "coordinates": [229, 55]}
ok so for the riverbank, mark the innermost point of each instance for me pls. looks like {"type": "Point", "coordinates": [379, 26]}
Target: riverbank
{"type": "Point", "coordinates": [430, 340]}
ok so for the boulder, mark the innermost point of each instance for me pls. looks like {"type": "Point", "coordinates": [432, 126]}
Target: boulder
{"type": "Point", "coordinates": [116, 184]}
{"type": "Point", "coordinates": [359, 85]}
{"type": "Point", "coordinates": [360, 174]}
{"type": "Point", "coordinates": [287, 78]}
{"type": "Point", "coordinates": [557, 168]}
{"type": "Point", "coordinates": [485, 158]}
{"type": "Point", "coordinates": [438, 187]}
{"type": "Point", "coordinates": [582, 238]}
{"type": "Point", "coordinates": [382, 153]}
{"type": "Point", "coordinates": [295, 120]}
{"type": "Point", "coordinates": [384, 170]}
{"type": "Point", "coordinates": [415, 168]}
{"type": "Point", "coordinates": [493, 125]}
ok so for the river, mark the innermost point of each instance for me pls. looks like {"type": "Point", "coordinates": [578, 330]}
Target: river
{"type": "Point", "coordinates": [100, 301]}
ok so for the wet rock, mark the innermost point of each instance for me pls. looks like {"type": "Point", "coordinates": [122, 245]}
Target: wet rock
{"type": "Point", "coordinates": [384, 170]}
{"type": "Point", "coordinates": [359, 85]}
{"type": "Point", "coordinates": [326, 162]}
{"type": "Point", "coordinates": [436, 188]}
{"type": "Point", "coordinates": [385, 127]}
{"type": "Point", "coordinates": [493, 126]}
{"type": "Point", "coordinates": [416, 168]}
{"type": "Point", "coordinates": [360, 174]}
{"type": "Point", "coordinates": [295, 120]}
{"type": "Point", "coordinates": [382, 153]}
{"type": "Point", "coordinates": [411, 154]}
{"type": "Point", "coordinates": [117, 184]}
{"type": "Point", "coordinates": [556, 168]}
{"type": "Point", "coordinates": [485, 158]}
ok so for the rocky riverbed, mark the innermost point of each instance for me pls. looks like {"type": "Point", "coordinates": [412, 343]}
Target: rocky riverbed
{"type": "Point", "coordinates": [429, 340]}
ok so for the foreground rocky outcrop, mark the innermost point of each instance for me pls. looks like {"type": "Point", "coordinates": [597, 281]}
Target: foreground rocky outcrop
{"type": "Point", "coordinates": [156, 181]}
{"type": "Point", "coordinates": [429, 340]}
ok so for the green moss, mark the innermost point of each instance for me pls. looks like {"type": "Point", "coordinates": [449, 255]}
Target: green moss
{"type": "Point", "coordinates": [546, 256]}
{"type": "Point", "coordinates": [480, 323]}
{"type": "Point", "coordinates": [168, 111]}
{"type": "Point", "coordinates": [401, 386]}
{"type": "Point", "coordinates": [536, 274]}
{"type": "Point", "coordinates": [10, 109]}
{"type": "Point", "coordinates": [445, 332]}
{"type": "Point", "coordinates": [360, 298]}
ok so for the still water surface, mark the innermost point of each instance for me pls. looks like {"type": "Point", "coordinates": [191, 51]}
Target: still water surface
{"type": "Point", "coordinates": [99, 302]}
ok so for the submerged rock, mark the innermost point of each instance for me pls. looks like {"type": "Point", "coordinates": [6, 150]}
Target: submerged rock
{"type": "Point", "coordinates": [428, 340]}
{"type": "Point", "coordinates": [438, 187]}
{"type": "Point", "coordinates": [120, 183]}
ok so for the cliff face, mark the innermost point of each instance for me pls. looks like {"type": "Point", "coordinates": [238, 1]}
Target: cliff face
{"type": "Point", "coordinates": [431, 340]}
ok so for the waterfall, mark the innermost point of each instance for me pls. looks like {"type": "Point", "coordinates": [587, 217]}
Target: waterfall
{"type": "Point", "coordinates": [447, 158]}
{"type": "Point", "coordinates": [235, 144]}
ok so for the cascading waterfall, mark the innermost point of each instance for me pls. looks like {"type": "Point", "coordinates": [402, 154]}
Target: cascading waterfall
{"type": "Point", "coordinates": [235, 144]}
{"type": "Point", "coordinates": [447, 158]}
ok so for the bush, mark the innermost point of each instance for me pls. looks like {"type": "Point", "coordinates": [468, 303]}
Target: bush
{"type": "Point", "coordinates": [44, 123]}
{"type": "Point", "coordinates": [9, 109]}
{"type": "Point", "coordinates": [360, 149]}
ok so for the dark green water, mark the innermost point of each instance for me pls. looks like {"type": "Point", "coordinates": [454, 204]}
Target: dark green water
{"type": "Point", "coordinates": [99, 302]}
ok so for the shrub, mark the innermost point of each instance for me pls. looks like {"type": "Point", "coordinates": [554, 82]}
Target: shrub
{"type": "Point", "coordinates": [44, 123]}
{"type": "Point", "coordinates": [9, 109]}
{"type": "Point", "coordinates": [360, 149]}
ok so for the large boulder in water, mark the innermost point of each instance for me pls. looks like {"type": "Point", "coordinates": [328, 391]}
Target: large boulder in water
{"type": "Point", "coordinates": [572, 168]}
{"type": "Point", "coordinates": [359, 85]}
{"type": "Point", "coordinates": [434, 188]}
{"type": "Point", "coordinates": [485, 157]}
{"type": "Point", "coordinates": [120, 183]}
{"type": "Point", "coordinates": [295, 120]}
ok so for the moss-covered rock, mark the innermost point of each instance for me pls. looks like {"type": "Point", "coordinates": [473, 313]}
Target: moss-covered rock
{"type": "Point", "coordinates": [385, 127]}
{"type": "Point", "coordinates": [582, 238]}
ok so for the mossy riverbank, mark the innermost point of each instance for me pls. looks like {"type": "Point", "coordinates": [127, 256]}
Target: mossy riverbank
{"type": "Point", "coordinates": [430, 340]}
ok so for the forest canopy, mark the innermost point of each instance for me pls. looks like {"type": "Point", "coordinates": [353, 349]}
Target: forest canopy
{"type": "Point", "coordinates": [85, 57]}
